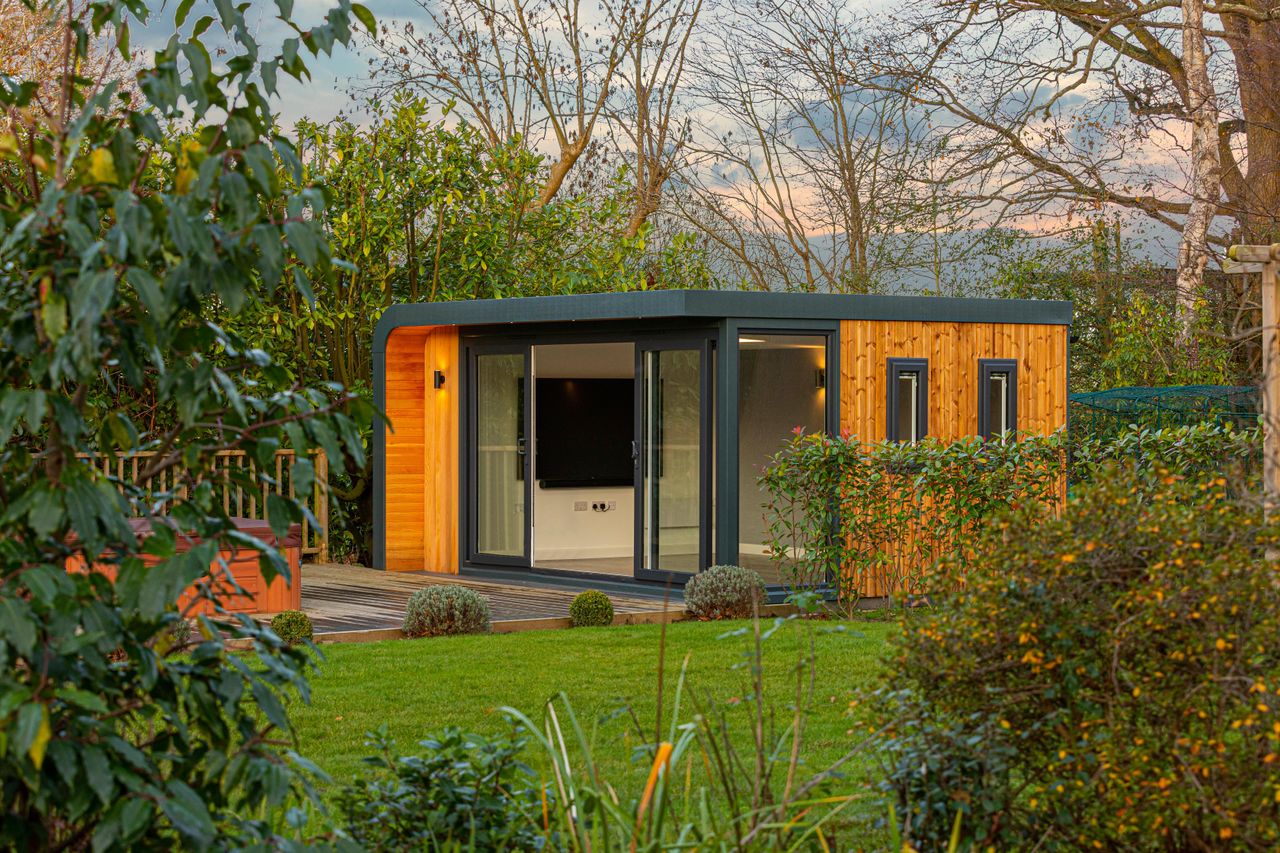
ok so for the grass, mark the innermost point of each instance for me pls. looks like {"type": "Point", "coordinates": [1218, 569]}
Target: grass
{"type": "Point", "coordinates": [420, 686]}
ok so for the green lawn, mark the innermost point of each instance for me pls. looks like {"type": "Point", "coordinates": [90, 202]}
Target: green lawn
{"type": "Point", "coordinates": [418, 686]}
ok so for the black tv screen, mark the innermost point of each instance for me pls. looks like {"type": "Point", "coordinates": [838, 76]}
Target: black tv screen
{"type": "Point", "coordinates": [584, 429]}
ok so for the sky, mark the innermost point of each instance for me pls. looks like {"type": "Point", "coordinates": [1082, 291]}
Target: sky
{"type": "Point", "coordinates": [332, 77]}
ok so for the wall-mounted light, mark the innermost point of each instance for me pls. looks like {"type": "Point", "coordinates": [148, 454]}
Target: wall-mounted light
{"type": "Point", "coordinates": [820, 378]}
{"type": "Point", "coordinates": [437, 381]}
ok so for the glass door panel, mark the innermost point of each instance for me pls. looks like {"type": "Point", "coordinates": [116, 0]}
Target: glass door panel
{"type": "Point", "coordinates": [674, 462]}
{"type": "Point", "coordinates": [500, 457]}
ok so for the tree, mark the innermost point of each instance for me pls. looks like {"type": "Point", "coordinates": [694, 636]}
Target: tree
{"type": "Point", "coordinates": [115, 734]}
{"type": "Point", "coordinates": [425, 209]}
{"type": "Point", "coordinates": [1064, 108]}
{"type": "Point", "coordinates": [550, 74]}
{"type": "Point", "coordinates": [804, 176]}
{"type": "Point", "coordinates": [648, 117]}
{"type": "Point", "coordinates": [32, 49]}
{"type": "Point", "coordinates": [1124, 329]}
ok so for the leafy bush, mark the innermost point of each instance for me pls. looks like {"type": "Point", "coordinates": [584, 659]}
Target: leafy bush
{"type": "Point", "coordinates": [1126, 651]}
{"type": "Point", "coordinates": [878, 518]}
{"type": "Point", "coordinates": [464, 792]}
{"type": "Point", "coordinates": [437, 611]}
{"type": "Point", "coordinates": [292, 626]}
{"type": "Point", "coordinates": [1192, 451]}
{"type": "Point", "coordinates": [118, 243]}
{"type": "Point", "coordinates": [936, 768]}
{"type": "Point", "coordinates": [724, 592]}
{"type": "Point", "coordinates": [591, 608]}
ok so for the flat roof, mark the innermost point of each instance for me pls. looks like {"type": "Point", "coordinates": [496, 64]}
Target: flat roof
{"type": "Point", "coordinates": [717, 304]}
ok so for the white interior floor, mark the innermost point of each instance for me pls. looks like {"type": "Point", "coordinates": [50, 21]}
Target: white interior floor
{"type": "Point", "coordinates": [617, 566]}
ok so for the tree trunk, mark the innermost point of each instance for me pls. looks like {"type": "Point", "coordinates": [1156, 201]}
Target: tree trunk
{"type": "Point", "coordinates": [569, 155]}
{"type": "Point", "coordinates": [1206, 175]}
{"type": "Point", "coordinates": [1254, 199]}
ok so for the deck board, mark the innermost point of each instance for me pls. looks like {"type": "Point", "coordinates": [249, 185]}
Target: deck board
{"type": "Point", "coordinates": [341, 597]}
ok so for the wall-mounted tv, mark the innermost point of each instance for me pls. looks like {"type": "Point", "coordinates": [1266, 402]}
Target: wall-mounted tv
{"type": "Point", "coordinates": [583, 432]}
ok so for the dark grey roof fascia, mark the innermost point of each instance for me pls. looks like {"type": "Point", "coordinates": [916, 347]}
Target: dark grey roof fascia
{"type": "Point", "coordinates": [750, 305]}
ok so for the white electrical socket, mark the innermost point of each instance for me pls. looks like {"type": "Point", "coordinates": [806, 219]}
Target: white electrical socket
{"type": "Point", "coordinates": [579, 506]}
{"type": "Point", "coordinates": [613, 505]}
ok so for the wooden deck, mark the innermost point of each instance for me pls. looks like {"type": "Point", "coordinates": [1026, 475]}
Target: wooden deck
{"type": "Point", "coordinates": [340, 597]}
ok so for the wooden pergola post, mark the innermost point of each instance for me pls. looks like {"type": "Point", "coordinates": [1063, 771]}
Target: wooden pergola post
{"type": "Point", "coordinates": [1266, 260]}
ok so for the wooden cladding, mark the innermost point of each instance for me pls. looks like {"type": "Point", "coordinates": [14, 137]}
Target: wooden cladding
{"type": "Point", "coordinates": [953, 351]}
{"type": "Point", "coordinates": [421, 461]}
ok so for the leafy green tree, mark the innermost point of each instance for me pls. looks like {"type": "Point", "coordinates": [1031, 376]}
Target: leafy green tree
{"type": "Point", "coordinates": [113, 243]}
{"type": "Point", "coordinates": [1125, 330]}
{"type": "Point", "coordinates": [424, 209]}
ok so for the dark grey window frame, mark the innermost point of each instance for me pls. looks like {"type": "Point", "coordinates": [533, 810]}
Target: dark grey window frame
{"type": "Point", "coordinates": [895, 367]}
{"type": "Point", "coordinates": [986, 367]}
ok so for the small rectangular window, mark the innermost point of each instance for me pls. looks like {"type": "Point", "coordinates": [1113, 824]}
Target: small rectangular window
{"type": "Point", "coordinates": [907, 409]}
{"type": "Point", "coordinates": [997, 397]}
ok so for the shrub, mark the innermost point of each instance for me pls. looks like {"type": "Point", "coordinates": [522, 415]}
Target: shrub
{"type": "Point", "coordinates": [881, 516]}
{"type": "Point", "coordinates": [464, 792]}
{"type": "Point", "coordinates": [935, 767]}
{"type": "Point", "coordinates": [1126, 652]}
{"type": "Point", "coordinates": [447, 609]}
{"type": "Point", "coordinates": [136, 233]}
{"type": "Point", "coordinates": [292, 626]}
{"type": "Point", "coordinates": [591, 608]}
{"type": "Point", "coordinates": [724, 592]}
{"type": "Point", "coordinates": [1195, 450]}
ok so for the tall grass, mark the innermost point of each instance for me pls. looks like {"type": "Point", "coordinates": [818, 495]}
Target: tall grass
{"type": "Point", "coordinates": [708, 787]}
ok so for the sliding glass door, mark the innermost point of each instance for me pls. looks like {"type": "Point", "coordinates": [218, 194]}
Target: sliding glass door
{"type": "Point", "coordinates": [498, 455]}
{"type": "Point", "coordinates": [673, 458]}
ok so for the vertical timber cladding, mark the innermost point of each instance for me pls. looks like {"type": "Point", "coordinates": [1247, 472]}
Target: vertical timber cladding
{"type": "Point", "coordinates": [421, 460]}
{"type": "Point", "coordinates": [953, 351]}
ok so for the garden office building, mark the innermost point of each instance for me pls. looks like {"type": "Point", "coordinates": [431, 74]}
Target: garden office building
{"type": "Point", "coordinates": [623, 434]}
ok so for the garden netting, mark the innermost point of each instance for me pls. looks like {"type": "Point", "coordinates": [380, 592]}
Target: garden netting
{"type": "Point", "coordinates": [1101, 413]}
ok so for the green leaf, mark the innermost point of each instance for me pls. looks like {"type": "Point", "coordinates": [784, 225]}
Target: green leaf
{"type": "Point", "coordinates": [32, 732]}
{"type": "Point", "coordinates": [98, 771]}
{"type": "Point", "coordinates": [17, 625]}
{"type": "Point", "coordinates": [188, 813]}
{"type": "Point", "coordinates": [304, 241]}
{"type": "Point", "coordinates": [184, 8]}
{"type": "Point", "coordinates": [280, 514]}
{"type": "Point", "coordinates": [303, 285]}
{"type": "Point", "coordinates": [82, 699]}
{"type": "Point", "coordinates": [53, 316]}
{"type": "Point", "coordinates": [366, 18]}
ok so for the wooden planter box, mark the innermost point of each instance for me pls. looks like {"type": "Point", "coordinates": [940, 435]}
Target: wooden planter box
{"type": "Point", "coordinates": [256, 595]}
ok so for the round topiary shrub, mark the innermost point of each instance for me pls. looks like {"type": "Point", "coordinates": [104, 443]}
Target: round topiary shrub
{"type": "Point", "coordinates": [724, 592]}
{"type": "Point", "coordinates": [438, 611]}
{"type": "Point", "coordinates": [292, 626]}
{"type": "Point", "coordinates": [591, 609]}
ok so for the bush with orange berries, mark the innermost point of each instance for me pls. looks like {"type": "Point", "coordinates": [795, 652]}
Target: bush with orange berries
{"type": "Point", "coordinates": [1122, 663]}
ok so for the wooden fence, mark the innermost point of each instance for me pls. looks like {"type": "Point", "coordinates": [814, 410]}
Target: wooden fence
{"type": "Point", "coordinates": [236, 500]}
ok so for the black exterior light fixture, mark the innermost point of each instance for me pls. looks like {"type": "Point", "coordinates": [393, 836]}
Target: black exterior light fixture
{"type": "Point", "coordinates": [437, 380]}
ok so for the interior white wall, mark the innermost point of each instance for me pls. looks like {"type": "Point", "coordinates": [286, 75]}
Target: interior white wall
{"type": "Point", "coordinates": [777, 393]}
{"type": "Point", "coordinates": [560, 531]}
